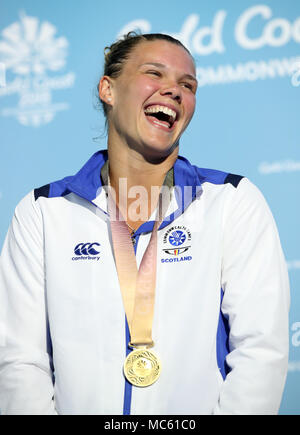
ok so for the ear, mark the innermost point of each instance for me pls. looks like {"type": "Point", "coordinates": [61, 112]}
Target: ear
{"type": "Point", "coordinates": [105, 90]}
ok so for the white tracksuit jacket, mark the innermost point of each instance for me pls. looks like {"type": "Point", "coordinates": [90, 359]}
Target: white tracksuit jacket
{"type": "Point", "coordinates": [221, 310]}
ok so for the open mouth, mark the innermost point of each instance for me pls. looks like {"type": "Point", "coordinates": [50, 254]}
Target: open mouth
{"type": "Point", "coordinates": [161, 115]}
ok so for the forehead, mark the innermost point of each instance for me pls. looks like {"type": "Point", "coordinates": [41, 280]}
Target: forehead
{"type": "Point", "coordinates": [163, 52]}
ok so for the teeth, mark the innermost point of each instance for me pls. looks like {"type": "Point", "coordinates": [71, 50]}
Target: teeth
{"type": "Point", "coordinates": [164, 109]}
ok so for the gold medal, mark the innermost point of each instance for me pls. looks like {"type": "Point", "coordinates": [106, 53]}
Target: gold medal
{"type": "Point", "coordinates": [142, 367]}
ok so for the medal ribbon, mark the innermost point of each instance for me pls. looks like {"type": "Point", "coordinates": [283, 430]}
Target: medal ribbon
{"type": "Point", "coordinates": [137, 285]}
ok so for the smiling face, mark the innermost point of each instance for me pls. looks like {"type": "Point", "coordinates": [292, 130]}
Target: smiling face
{"type": "Point", "coordinates": [153, 99]}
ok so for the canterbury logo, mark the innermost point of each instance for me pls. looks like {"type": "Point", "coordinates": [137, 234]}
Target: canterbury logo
{"type": "Point", "coordinates": [86, 249]}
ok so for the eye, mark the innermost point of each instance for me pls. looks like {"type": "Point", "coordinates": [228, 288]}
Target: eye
{"type": "Point", "coordinates": [154, 72]}
{"type": "Point", "coordinates": [188, 86]}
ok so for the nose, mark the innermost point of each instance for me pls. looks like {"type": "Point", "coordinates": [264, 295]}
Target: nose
{"type": "Point", "coordinates": [173, 91]}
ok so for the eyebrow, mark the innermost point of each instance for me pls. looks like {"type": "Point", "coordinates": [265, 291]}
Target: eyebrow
{"type": "Point", "coordinates": [161, 65]}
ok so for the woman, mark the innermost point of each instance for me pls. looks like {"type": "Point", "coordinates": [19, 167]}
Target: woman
{"type": "Point", "coordinates": [199, 271]}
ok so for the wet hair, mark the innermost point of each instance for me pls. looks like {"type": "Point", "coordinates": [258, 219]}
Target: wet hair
{"type": "Point", "coordinates": [116, 54]}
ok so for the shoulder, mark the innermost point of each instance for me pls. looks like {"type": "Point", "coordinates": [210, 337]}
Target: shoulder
{"type": "Point", "coordinates": [246, 205]}
{"type": "Point", "coordinates": [239, 192]}
{"type": "Point", "coordinates": [241, 185]}
{"type": "Point", "coordinates": [218, 177]}
{"type": "Point", "coordinates": [52, 190]}
{"type": "Point", "coordinates": [29, 207]}
{"type": "Point", "coordinates": [204, 175]}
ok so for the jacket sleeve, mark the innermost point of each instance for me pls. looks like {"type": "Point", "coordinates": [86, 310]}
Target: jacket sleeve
{"type": "Point", "coordinates": [26, 378]}
{"type": "Point", "coordinates": [256, 305]}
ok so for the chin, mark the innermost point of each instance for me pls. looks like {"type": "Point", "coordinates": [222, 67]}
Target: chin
{"type": "Point", "coordinates": [158, 151]}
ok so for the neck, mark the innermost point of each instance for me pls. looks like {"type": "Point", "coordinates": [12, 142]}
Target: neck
{"type": "Point", "coordinates": [134, 193]}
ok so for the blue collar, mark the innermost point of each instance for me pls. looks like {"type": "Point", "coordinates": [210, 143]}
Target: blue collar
{"type": "Point", "coordinates": [87, 184]}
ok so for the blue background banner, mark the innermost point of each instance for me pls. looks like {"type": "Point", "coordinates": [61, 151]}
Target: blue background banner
{"type": "Point", "coordinates": [248, 102]}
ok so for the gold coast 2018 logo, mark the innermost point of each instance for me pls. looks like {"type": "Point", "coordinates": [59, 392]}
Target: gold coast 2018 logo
{"type": "Point", "coordinates": [177, 241]}
{"type": "Point", "coordinates": [32, 55]}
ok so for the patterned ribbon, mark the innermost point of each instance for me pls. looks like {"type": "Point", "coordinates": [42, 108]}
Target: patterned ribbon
{"type": "Point", "coordinates": [137, 285]}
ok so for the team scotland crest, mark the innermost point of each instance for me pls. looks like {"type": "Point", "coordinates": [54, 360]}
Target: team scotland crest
{"type": "Point", "coordinates": [177, 240]}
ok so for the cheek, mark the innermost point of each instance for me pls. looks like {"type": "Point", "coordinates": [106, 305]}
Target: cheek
{"type": "Point", "coordinates": [190, 105]}
{"type": "Point", "coordinates": [145, 88]}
